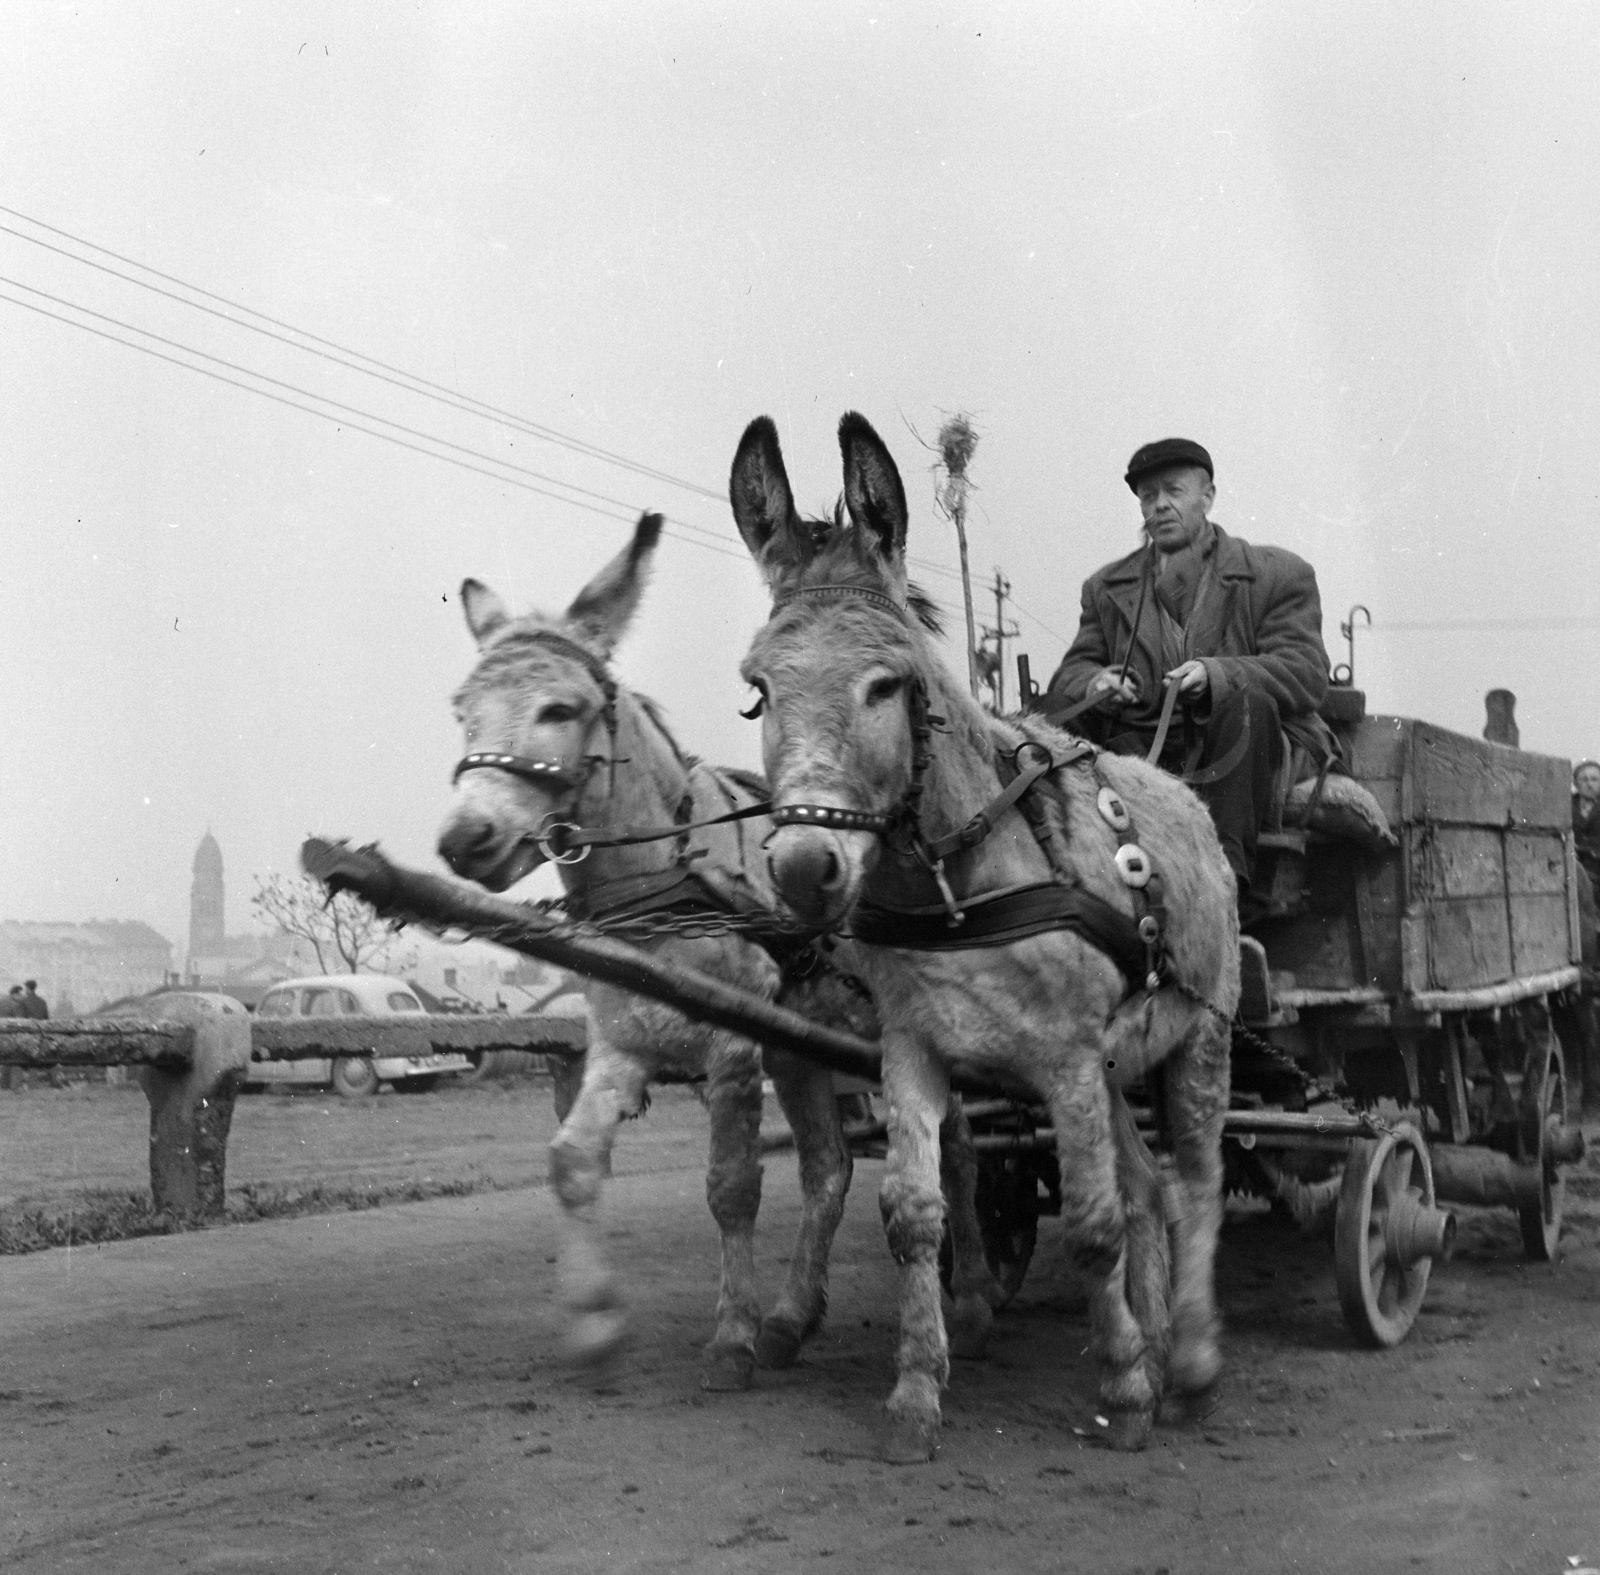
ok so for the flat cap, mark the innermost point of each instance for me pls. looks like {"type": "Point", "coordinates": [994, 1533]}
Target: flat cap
{"type": "Point", "coordinates": [1167, 451]}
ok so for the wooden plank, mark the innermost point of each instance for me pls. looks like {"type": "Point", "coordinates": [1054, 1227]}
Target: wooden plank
{"type": "Point", "coordinates": [1536, 863]}
{"type": "Point", "coordinates": [314, 1038]}
{"type": "Point", "coordinates": [1385, 792]}
{"type": "Point", "coordinates": [99, 1041]}
{"type": "Point", "coordinates": [1473, 782]}
{"type": "Point", "coordinates": [1462, 861]}
{"type": "Point", "coordinates": [1377, 747]}
{"type": "Point", "coordinates": [1468, 942]}
{"type": "Point", "coordinates": [1540, 938]}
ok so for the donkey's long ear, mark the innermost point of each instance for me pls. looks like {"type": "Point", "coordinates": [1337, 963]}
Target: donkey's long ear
{"type": "Point", "coordinates": [486, 613]}
{"type": "Point", "coordinates": [872, 489]}
{"type": "Point", "coordinates": [606, 605]}
{"type": "Point", "coordinates": [758, 489]}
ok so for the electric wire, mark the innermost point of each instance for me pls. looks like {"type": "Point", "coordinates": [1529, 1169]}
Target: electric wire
{"type": "Point", "coordinates": [412, 382]}
{"type": "Point", "coordinates": [395, 376]}
{"type": "Point", "coordinates": [354, 410]}
{"type": "Point", "coordinates": [354, 426]}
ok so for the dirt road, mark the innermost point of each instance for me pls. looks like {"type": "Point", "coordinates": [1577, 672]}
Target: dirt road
{"type": "Point", "coordinates": [379, 1390]}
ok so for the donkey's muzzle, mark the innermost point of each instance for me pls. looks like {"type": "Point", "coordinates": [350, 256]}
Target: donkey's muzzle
{"type": "Point", "coordinates": [473, 845]}
{"type": "Point", "coordinates": [810, 873]}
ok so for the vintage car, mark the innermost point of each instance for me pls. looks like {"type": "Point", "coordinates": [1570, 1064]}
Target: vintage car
{"type": "Point", "coordinates": [349, 995]}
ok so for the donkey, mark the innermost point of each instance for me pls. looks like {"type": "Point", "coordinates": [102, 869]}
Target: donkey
{"type": "Point", "coordinates": [874, 753]}
{"type": "Point", "coordinates": [556, 744]}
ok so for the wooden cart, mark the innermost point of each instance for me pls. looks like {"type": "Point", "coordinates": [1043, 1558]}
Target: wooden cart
{"type": "Point", "coordinates": [1406, 1019]}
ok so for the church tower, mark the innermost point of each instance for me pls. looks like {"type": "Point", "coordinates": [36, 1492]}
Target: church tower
{"type": "Point", "coordinates": [205, 902]}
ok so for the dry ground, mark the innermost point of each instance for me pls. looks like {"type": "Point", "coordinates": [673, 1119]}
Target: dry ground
{"type": "Point", "coordinates": [379, 1390]}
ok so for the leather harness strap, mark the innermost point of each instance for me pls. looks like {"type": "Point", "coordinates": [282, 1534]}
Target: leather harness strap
{"type": "Point", "coordinates": [1006, 916]}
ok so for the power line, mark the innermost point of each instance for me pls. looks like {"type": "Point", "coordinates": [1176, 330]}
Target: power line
{"type": "Point", "coordinates": [1470, 624]}
{"type": "Point", "coordinates": [354, 410]}
{"type": "Point", "coordinates": [413, 382]}
{"type": "Point", "coordinates": [398, 377]}
{"type": "Point", "coordinates": [354, 426]}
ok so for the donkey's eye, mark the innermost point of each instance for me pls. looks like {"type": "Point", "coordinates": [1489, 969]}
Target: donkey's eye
{"type": "Point", "coordinates": [557, 712]}
{"type": "Point", "coordinates": [757, 706]}
{"type": "Point", "coordinates": [881, 689]}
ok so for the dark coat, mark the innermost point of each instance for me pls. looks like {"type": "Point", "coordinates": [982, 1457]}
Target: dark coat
{"type": "Point", "coordinates": [1586, 834]}
{"type": "Point", "coordinates": [1256, 623]}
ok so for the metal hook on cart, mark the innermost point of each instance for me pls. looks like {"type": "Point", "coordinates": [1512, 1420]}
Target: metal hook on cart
{"type": "Point", "coordinates": [1345, 673]}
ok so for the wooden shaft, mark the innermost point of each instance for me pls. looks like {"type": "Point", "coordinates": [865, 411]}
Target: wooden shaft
{"type": "Point", "coordinates": [409, 894]}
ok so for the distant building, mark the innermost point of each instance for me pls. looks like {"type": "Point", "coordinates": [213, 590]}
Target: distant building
{"type": "Point", "coordinates": [243, 966]}
{"type": "Point", "coordinates": [207, 905]}
{"type": "Point", "coordinates": [82, 966]}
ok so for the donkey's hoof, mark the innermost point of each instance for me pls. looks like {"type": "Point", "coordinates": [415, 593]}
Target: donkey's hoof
{"type": "Point", "coordinates": [908, 1440]}
{"type": "Point", "coordinates": [726, 1370]}
{"type": "Point", "coordinates": [969, 1329]}
{"type": "Point", "coordinates": [1129, 1431]}
{"type": "Point", "coordinates": [778, 1344]}
{"type": "Point", "coordinates": [1186, 1407]}
{"type": "Point", "coordinates": [596, 1337]}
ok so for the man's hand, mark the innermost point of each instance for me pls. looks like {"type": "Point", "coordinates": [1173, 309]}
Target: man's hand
{"type": "Point", "coordinates": [1109, 681]}
{"type": "Point", "coordinates": [1191, 680]}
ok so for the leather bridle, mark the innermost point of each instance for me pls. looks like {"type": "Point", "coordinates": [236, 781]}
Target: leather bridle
{"type": "Point", "coordinates": [557, 773]}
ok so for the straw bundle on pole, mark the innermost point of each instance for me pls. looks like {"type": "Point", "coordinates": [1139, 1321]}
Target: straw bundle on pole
{"type": "Point", "coordinates": [957, 441]}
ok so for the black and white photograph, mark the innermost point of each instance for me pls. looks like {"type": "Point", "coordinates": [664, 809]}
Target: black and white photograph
{"type": "Point", "coordinates": [800, 787]}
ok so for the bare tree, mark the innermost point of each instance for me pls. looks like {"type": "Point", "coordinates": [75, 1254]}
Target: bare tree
{"type": "Point", "coordinates": [340, 928]}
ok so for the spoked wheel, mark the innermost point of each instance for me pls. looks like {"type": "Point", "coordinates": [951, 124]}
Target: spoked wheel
{"type": "Point", "coordinates": [1544, 1116]}
{"type": "Point", "coordinates": [1007, 1203]}
{"type": "Point", "coordinates": [1386, 1234]}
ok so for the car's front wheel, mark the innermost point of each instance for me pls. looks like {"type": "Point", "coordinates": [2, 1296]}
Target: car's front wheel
{"type": "Point", "coordinates": [354, 1077]}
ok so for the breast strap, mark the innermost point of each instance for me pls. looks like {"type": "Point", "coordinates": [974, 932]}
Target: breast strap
{"type": "Point", "coordinates": [1009, 916]}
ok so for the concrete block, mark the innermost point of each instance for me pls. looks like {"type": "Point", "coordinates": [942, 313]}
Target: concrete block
{"type": "Point", "coordinates": [191, 1111]}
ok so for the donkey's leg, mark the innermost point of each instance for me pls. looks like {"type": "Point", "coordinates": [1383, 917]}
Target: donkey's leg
{"type": "Point", "coordinates": [1197, 1103]}
{"type": "Point", "coordinates": [1149, 1259]}
{"type": "Point", "coordinates": [1095, 1227]}
{"type": "Point", "coordinates": [806, 1093]}
{"type": "Point", "coordinates": [733, 1190]}
{"type": "Point", "coordinates": [580, 1155]}
{"type": "Point", "coordinates": [918, 1092]}
{"type": "Point", "coordinates": [972, 1287]}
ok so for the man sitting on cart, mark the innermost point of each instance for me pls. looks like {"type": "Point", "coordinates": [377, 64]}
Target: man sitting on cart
{"type": "Point", "coordinates": [1208, 643]}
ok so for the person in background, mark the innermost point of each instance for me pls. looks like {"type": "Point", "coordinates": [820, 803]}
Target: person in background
{"type": "Point", "coordinates": [1586, 837]}
{"type": "Point", "coordinates": [33, 1004]}
{"type": "Point", "coordinates": [11, 1006]}
{"type": "Point", "coordinates": [1586, 816]}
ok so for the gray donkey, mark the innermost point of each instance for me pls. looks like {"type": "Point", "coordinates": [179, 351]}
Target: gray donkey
{"type": "Point", "coordinates": [1003, 943]}
{"type": "Point", "coordinates": [556, 748]}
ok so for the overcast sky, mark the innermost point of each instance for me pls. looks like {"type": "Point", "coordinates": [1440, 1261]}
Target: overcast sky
{"type": "Point", "coordinates": [1351, 249]}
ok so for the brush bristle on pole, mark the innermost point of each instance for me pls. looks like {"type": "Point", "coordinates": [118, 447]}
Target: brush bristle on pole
{"type": "Point", "coordinates": [957, 442]}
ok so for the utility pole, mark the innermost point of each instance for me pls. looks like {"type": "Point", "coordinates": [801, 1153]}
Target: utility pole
{"type": "Point", "coordinates": [999, 634]}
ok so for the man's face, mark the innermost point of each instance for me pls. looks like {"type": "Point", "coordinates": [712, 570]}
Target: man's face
{"type": "Point", "coordinates": [1588, 780]}
{"type": "Point", "coordinates": [1174, 503]}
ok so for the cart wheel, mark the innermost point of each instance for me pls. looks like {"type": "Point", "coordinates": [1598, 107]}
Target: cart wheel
{"type": "Point", "coordinates": [1007, 1202]}
{"type": "Point", "coordinates": [1545, 1091]}
{"type": "Point", "coordinates": [1386, 1234]}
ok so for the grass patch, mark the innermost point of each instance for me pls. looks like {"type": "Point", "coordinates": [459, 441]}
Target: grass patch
{"type": "Point", "coordinates": [107, 1215]}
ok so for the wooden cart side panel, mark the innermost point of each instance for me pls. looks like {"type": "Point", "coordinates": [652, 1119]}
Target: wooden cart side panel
{"type": "Point", "coordinates": [1471, 782]}
{"type": "Point", "coordinates": [1574, 919]}
{"type": "Point", "coordinates": [1482, 888]}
